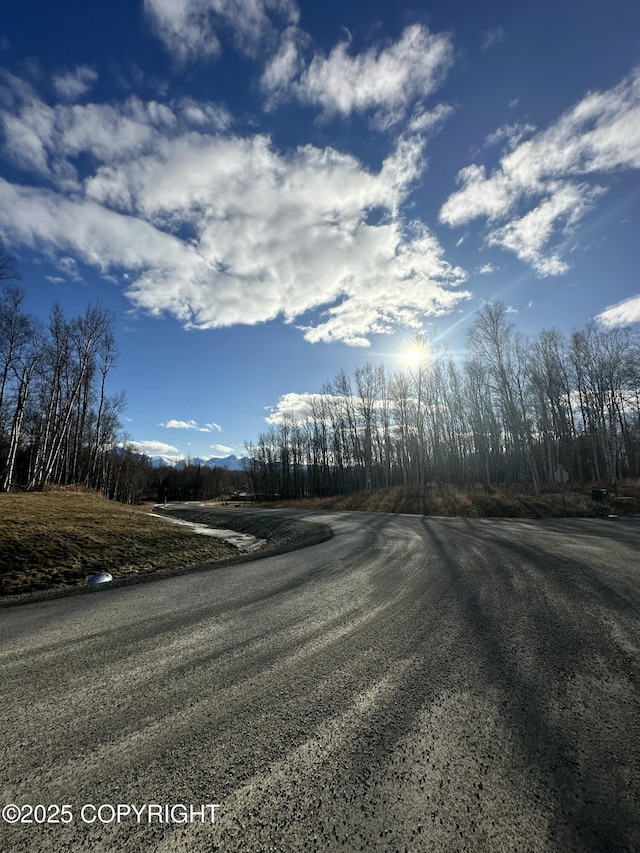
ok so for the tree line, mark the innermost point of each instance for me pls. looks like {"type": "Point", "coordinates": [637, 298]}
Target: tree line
{"type": "Point", "coordinates": [192, 481]}
{"type": "Point", "coordinates": [514, 409]}
{"type": "Point", "coordinates": [57, 423]}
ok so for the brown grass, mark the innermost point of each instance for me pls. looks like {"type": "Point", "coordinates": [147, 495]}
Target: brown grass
{"type": "Point", "coordinates": [479, 501]}
{"type": "Point", "coordinates": [59, 538]}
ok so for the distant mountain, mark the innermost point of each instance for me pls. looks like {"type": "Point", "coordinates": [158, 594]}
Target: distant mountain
{"type": "Point", "coordinates": [163, 462]}
{"type": "Point", "coordinates": [231, 463]}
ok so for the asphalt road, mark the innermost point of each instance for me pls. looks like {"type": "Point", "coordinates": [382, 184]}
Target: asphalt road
{"type": "Point", "coordinates": [412, 684]}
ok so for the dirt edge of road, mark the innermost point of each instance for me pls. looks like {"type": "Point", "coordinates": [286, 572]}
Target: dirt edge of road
{"type": "Point", "coordinates": [281, 534]}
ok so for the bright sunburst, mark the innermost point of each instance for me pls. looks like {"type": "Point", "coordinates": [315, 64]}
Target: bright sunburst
{"type": "Point", "coordinates": [415, 353]}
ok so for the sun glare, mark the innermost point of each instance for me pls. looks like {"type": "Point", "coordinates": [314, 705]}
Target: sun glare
{"type": "Point", "coordinates": [414, 354]}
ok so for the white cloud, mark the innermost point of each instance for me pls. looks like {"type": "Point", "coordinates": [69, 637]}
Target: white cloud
{"type": "Point", "coordinates": [204, 116]}
{"type": "Point", "coordinates": [540, 185]}
{"type": "Point", "coordinates": [153, 448]}
{"type": "Point", "coordinates": [400, 289]}
{"type": "Point", "coordinates": [285, 65]}
{"type": "Point", "coordinates": [174, 424]}
{"type": "Point", "coordinates": [69, 267]}
{"type": "Point", "coordinates": [72, 84]}
{"type": "Point", "coordinates": [512, 134]}
{"type": "Point", "coordinates": [47, 139]}
{"type": "Point", "coordinates": [485, 269]}
{"type": "Point", "coordinates": [217, 229]}
{"type": "Point", "coordinates": [191, 424]}
{"type": "Point", "coordinates": [622, 313]}
{"type": "Point", "coordinates": [292, 406]}
{"type": "Point", "coordinates": [184, 27]}
{"type": "Point", "coordinates": [191, 29]}
{"type": "Point", "coordinates": [222, 448]}
{"type": "Point", "coordinates": [387, 80]}
{"type": "Point", "coordinates": [529, 236]}
{"type": "Point", "coordinates": [305, 408]}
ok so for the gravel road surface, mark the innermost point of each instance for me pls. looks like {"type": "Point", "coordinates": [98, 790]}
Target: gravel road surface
{"type": "Point", "coordinates": [411, 684]}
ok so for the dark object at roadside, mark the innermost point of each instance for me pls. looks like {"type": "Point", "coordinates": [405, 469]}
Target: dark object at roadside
{"type": "Point", "coordinates": [599, 496]}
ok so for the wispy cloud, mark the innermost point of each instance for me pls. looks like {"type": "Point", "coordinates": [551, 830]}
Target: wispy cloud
{"type": "Point", "coordinates": [192, 29]}
{"type": "Point", "coordinates": [492, 37]}
{"type": "Point", "coordinates": [543, 187]}
{"type": "Point", "coordinates": [285, 66]}
{"type": "Point", "coordinates": [530, 235]}
{"type": "Point", "coordinates": [386, 80]}
{"type": "Point", "coordinates": [72, 84]}
{"type": "Point", "coordinates": [191, 424]}
{"type": "Point", "coordinates": [512, 134]}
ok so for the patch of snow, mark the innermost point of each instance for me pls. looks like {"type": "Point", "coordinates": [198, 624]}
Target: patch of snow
{"type": "Point", "coordinates": [242, 541]}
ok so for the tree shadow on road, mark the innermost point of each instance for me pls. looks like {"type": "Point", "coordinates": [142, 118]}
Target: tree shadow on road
{"type": "Point", "coordinates": [532, 630]}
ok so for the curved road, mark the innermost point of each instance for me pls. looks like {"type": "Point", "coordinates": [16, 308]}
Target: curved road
{"type": "Point", "coordinates": [412, 684]}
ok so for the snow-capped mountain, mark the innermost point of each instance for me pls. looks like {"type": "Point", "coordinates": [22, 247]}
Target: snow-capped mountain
{"type": "Point", "coordinates": [231, 463]}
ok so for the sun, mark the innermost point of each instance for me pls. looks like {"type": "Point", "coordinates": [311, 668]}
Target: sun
{"type": "Point", "coordinates": [412, 356]}
{"type": "Point", "coordinates": [415, 353]}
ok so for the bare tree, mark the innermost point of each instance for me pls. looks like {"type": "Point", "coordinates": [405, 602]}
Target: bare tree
{"type": "Point", "coordinates": [515, 405]}
{"type": "Point", "coordinates": [366, 380]}
{"type": "Point", "coordinates": [8, 266]}
{"type": "Point", "coordinates": [15, 334]}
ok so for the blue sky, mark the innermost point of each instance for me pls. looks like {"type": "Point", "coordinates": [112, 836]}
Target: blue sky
{"type": "Point", "coordinates": [267, 191]}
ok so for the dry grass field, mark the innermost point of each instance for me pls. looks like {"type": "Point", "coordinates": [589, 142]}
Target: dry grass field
{"type": "Point", "coordinates": [59, 538]}
{"type": "Point", "coordinates": [476, 501]}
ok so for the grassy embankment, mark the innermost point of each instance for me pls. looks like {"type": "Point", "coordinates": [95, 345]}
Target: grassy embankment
{"type": "Point", "coordinates": [59, 538]}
